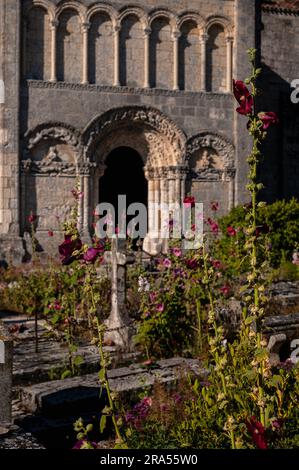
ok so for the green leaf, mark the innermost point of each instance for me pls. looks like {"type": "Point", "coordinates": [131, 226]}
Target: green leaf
{"type": "Point", "coordinates": [103, 423]}
{"type": "Point", "coordinates": [78, 360]}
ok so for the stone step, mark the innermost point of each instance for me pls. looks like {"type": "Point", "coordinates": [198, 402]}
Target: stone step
{"type": "Point", "coordinates": [42, 397]}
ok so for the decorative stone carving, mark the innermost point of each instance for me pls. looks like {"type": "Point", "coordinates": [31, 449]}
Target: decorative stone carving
{"type": "Point", "coordinates": [146, 116]}
{"type": "Point", "coordinates": [214, 157]}
{"type": "Point", "coordinates": [52, 131]}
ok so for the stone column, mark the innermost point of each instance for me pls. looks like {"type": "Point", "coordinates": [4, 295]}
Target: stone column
{"type": "Point", "coordinates": [53, 27]}
{"type": "Point", "coordinates": [86, 205]}
{"type": "Point", "coordinates": [85, 29]}
{"type": "Point", "coordinates": [175, 36]}
{"type": "Point", "coordinates": [24, 40]}
{"type": "Point", "coordinates": [80, 204]}
{"type": "Point", "coordinates": [229, 64]}
{"type": "Point", "coordinates": [116, 56]}
{"type": "Point", "coordinates": [6, 360]}
{"type": "Point", "coordinates": [230, 176]}
{"type": "Point", "coordinates": [203, 71]}
{"type": "Point", "coordinates": [147, 33]}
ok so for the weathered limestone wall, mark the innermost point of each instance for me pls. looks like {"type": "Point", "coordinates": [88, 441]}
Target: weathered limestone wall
{"type": "Point", "coordinates": [9, 122]}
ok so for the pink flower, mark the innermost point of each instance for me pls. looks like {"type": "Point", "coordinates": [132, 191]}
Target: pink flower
{"type": "Point", "coordinates": [269, 118]}
{"type": "Point", "coordinates": [295, 258]}
{"type": "Point", "coordinates": [77, 194]}
{"type": "Point", "coordinates": [177, 252]}
{"type": "Point", "coordinates": [244, 98]}
{"type": "Point", "coordinates": [189, 201]}
{"type": "Point", "coordinates": [32, 218]}
{"type": "Point", "coordinates": [50, 233]}
{"type": "Point", "coordinates": [153, 296]}
{"type": "Point", "coordinates": [160, 308]}
{"type": "Point", "coordinates": [225, 290]}
{"type": "Point", "coordinates": [216, 263]}
{"type": "Point", "coordinates": [90, 255]}
{"type": "Point", "coordinates": [166, 263]}
{"type": "Point", "coordinates": [231, 231]}
{"type": "Point", "coordinates": [214, 226]}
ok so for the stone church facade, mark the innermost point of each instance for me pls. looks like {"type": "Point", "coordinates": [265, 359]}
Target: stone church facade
{"type": "Point", "coordinates": [84, 80]}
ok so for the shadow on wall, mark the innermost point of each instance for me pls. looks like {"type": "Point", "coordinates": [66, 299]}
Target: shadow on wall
{"type": "Point", "coordinates": [279, 169]}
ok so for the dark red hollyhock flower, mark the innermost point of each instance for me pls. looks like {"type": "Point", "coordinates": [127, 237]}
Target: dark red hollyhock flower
{"type": "Point", "coordinates": [244, 98]}
{"type": "Point", "coordinates": [90, 255]}
{"type": "Point", "coordinates": [192, 263]}
{"type": "Point", "coordinates": [257, 431]}
{"type": "Point", "coordinates": [214, 226]}
{"type": "Point", "coordinates": [225, 290]}
{"type": "Point", "coordinates": [232, 232]}
{"type": "Point", "coordinates": [50, 233]}
{"type": "Point", "coordinates": [32, 218]}
{"type": "Point", "coordinates": [67, 248]}
{"type": "Point", "coordinates": [214, 206]}
{"type": "Point", "coordinates": [269, 118]}
{"type": "Point", "coordinates": [189, 200]}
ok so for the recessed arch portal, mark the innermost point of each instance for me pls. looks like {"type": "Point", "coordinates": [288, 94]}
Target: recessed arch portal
{"type": "Point", "coordinates": [123, 175]}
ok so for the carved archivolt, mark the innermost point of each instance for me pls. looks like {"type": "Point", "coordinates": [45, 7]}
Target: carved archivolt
{"type": "Point", "coordinates": [147, 118]}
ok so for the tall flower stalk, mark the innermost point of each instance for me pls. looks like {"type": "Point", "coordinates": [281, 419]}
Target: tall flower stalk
{"type": "Point", "coordinates": [257, 125]}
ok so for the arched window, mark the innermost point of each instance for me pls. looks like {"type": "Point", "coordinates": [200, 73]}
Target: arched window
{"type": "Point", "coordinates": [161, 54]}
{"type": "Point", "coordinates": [37, 45]}
{"type": "Point", "coordinates": [101, 50]}
{"type": "Point", "coordinates": [131, 52]}
{"type": "Point", "coordinates": [69, 47]}
{"type": "Point", "coordinates": [216, 59]}
{"type": "Point", "coordinates": [189, 57]}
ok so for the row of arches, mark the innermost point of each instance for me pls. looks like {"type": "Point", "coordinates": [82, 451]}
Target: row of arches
{"type": "Point", "coordinates": [161, 50]}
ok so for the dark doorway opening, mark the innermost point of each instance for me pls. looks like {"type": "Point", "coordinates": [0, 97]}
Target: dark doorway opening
{"type": "Point", "coordinates": [124, 175]}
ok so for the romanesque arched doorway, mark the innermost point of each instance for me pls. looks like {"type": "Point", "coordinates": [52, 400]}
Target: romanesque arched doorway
{"type": "Point", "coordinates": [124, 175]}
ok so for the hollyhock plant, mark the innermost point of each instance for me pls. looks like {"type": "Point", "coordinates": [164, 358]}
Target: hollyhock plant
{"type": "Point", "coordinates": [257, 432]}
{"type": "Point", "coordinates": [32, 218]}
{"type": "Point", "coordinates": [68, 247]}
{"type": "Point", "coordinates": [90, 255]}
{"type": "Point", "coordinates": [244, 98]}
{"type": "Point", "coordinates": [50, 233]}
{"type": "Point", "coordinates": [160, 308]}
{"type": "Point", "coordinates": [232, 232]}
{"type": "Point", "coordinates": [189, 201]}
{"type": "Point", "coordinates": [177, 252]}
{"type": "Point", "coordinates": [268, 118]}
{"type": "Point", "coordinates": [166, 263]}
{"type": "Point", "coordinates": [225, 290]}
{"type": "Point", "coordinates": [214, 226]}
{"type": "Point", "coordinates": [215, 206]}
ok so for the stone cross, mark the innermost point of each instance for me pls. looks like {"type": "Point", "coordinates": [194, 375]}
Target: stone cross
{"type": "Point", "coordinates": [6, 357]}
{"type": "Point", "coordinates": [118, 322]}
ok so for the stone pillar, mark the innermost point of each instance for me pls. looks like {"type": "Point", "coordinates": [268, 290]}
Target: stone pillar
{"type": "Point", "coordinates": [147, 33]}
{"type": "Point", "coordinates": [116, 56]}
{"type": "Point", "coordinates": [6, 360]}
{"type": "Point", "coordinates": [152, 244]}
{"type": "Point", "coordinates": [53, 27]}
{"type": "Point", "coordinates": [86, 205]}
{"type": "Point", "coordinates": [85, 29]}
{"type": "Point", "coordinates": [24, 40]}
{"type": "Point", "coordinates": [80, 204]}
{"type": "Point", "coordinates": [229, 64]}
{"type": "Point", "coordinates": [175, 36]}
{"type": "Point", "coordinates": [231, 188]}
{"type": "Point", "coordinates": [203, 71]}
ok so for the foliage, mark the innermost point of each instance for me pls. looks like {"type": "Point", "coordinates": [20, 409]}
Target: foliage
{"type": "Point", "coordinates": [278, 223]}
